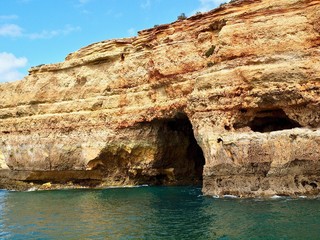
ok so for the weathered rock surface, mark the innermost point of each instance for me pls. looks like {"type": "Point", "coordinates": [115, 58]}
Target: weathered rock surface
{"type": "Point", "coordinates": [230, 96]}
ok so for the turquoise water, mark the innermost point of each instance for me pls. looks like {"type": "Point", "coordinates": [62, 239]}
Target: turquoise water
{"type": "Point", "coordinates": [153, 213]}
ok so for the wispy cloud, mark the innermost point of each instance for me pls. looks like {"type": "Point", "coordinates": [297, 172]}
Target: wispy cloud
{"type": "Point", "coordinates": [132, 32]}
{"type": "Point", "coordinates": [145, 4]}
{"type": "Point", "coordinates": [81, 5]}
{"type": "Point", "coordinates": [114, 14]}
{"type": "Point", "coordinates": [207, 5]}
{"type": "Point", "coordinates": [47, 34]}
{"type": "Point", "coordinates": [10, 30]}
{"type": "Point", "coordinates": [8, 17]}
{"type": "Point", "coordinates": [10, 65]}
{"type": "Point", "coordinates": [13, 30]}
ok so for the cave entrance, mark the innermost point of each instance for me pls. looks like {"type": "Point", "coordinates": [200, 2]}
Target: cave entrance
{"type": "Point", "coordinates": [272, 120]}
{"type": "Point", "coordinates": [178, 151]}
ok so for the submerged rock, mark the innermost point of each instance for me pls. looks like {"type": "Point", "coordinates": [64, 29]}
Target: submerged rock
{"type": "Point", "coordinates": [229, 97]}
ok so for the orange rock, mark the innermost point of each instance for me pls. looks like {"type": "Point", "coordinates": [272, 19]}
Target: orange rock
{"type": "Point", "coordinates": [246, 76]}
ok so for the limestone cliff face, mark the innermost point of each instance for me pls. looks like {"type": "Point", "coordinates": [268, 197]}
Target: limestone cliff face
{"type": "Point", "coordinates": [231, 95]}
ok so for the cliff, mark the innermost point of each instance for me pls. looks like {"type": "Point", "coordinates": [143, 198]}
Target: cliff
{"type": "Point", "coordinates": [229, 98]}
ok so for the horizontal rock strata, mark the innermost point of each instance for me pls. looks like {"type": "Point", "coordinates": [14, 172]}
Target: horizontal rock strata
{"type": "Point", "coordinates": [229, 97]}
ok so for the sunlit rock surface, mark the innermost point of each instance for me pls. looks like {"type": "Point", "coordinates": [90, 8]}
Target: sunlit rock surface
{"type": "Point", "coordinates": [229, 97]}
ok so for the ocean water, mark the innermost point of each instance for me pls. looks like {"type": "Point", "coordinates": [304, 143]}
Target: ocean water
{"type": "Point", "coordinates": [153, 213]}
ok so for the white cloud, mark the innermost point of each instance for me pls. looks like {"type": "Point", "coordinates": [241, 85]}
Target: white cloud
{"type": "Point", "coordinates": [146, 4]}
{"type": "Point", "coordinates": [207, 5]}
{"type": "Point", "coordinates": [9, 65]}
{"type": "Point", "coordinates": [8, 17]}
{"type": "Point", "coordinates": [47, 34]}
{"type": "Point", "coordinates": [10, 30]}
{"type": "Point", "coordinates": [132, 32]}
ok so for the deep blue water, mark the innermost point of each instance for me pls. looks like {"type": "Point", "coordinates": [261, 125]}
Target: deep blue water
{"type": "Point", "coordinates": [153, 213]}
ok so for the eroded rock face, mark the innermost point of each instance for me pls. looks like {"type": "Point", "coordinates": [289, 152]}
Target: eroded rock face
{"type": "Point", "coordinates": [230, 96]}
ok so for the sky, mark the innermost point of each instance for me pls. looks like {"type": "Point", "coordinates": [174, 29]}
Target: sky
{"type": "Point", "coordinates": [34, 32]}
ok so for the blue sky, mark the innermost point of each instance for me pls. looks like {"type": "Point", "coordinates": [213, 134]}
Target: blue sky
{"type": "Point", "coordinates": [34, 32]}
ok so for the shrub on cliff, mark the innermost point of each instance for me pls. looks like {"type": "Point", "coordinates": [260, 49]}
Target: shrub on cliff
{"type": "Point", "coordinates": [182, 16]}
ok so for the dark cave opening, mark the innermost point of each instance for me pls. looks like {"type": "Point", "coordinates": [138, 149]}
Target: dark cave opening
{"type": "Point", "coordinates": [272, 120]}
{"type": "Point", "coordinates": [166, 153]}
{"type": "Point", "coordinates": [178, 150]}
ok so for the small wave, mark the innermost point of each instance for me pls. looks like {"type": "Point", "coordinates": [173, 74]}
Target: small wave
{"type": "Point", "coordinates": [225, 196]}
{"type": "Point", "coordinates": [33, 189]}
{"type": "Point", "coordinates": [136, 186]}
{"type": "Point", "coordinates": [11, 190]}
{"type": "Point", "coordinates": [127, 186]}
{"type": "Point", "coordinates": [276, 197]}
{"type": "Point", "coordinates": [303, 197]}
{"type": "Point", "coordinates": [230, 196]}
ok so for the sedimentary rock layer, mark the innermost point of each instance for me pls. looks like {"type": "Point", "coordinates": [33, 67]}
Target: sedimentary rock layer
{"type": "Point", "coordinates": [230, 96]}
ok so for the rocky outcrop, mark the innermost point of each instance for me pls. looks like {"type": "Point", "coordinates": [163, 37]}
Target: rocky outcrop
{"type": "Point", "coordinates": [229, 97]}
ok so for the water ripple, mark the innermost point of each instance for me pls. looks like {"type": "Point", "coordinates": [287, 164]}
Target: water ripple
{"type": "Point", "coordinates": [153, 213]}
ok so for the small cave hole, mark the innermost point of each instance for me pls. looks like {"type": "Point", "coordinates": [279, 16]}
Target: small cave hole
{"type": "Point", "coordinates": [313, 185]}
{"type": "Point", "coordinates": [219, 140]}
{"type": "Point", "coordinates": [226, 127]}
{"type": "Point", "coordinates": [272, 120]}
{"type": "Point", "coordinates": [243, 110]}
{"type": "Point", "coordinates": [122, 57]}
{"type": "Point", "coordinates": [304, 183]}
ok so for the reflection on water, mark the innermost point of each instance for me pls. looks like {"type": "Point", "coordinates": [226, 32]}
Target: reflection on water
{"type": "Point", "coordinates": [153, 213]}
